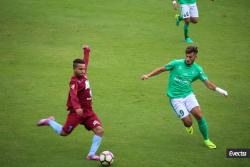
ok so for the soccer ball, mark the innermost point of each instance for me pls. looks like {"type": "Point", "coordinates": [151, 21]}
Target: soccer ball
{"type": "Point", "coordinates": [106, 158]}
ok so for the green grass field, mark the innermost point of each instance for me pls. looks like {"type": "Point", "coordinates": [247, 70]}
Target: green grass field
{"type": "Point", "coordinates": [39, 40]}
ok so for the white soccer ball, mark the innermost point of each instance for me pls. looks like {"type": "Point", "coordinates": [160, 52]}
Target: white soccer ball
{"type": "Point", "coordinates": [106, 158]}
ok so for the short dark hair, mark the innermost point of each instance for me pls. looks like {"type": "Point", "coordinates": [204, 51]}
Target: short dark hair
{"type": "Point", "coordinates": [192, 49]}
{"type": "Point", "coordinates": [78, 61]}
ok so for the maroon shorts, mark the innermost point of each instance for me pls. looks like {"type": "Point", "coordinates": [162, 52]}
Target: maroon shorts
{"type": "Point", "coordinates": [73, 120]}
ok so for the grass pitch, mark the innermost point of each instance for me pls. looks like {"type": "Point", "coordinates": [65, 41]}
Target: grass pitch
{"type": "Point", "coordinates": [39, 40]}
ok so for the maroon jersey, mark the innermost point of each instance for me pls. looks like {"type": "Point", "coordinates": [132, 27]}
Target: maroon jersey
{"type": "Point", "coordinates": [80, 95]}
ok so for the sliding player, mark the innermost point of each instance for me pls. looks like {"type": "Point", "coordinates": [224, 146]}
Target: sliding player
{"type": "Point", "coordinates": [182, 73]}
{"type": "Point", "coordinates": [80, 107]}
{"type": "Point", "coordinates": [188, 13]}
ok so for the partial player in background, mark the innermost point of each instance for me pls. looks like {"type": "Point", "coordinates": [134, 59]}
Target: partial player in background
{"type": "Point", "coordinates": [183, 73]}
{"type": "Point", "coordinates": [188, 13]}
{"type": "Point", "coordinates": [79, 105]}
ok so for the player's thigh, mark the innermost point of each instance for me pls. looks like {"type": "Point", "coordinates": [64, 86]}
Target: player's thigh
{"type": "Point", "coordinates": [179, 108]}
{"type": "Point", "coordinates": [72, 121]}
{"type": "Point", "coordinates": [92, 122]}
{"type": "Point", "coordinates": [185, 11]}
{"type": "Point", "coordinates": [193, 106]}
{"type": "Point", "coordinates": [196, 112]}
{"type": "Point", "coordinates": [194, 13]}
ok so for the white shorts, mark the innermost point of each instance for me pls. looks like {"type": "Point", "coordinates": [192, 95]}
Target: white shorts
{"type": "Point", "coordinates": [188, 11]}
{"type": "Point", "coordinates": [183, 106]}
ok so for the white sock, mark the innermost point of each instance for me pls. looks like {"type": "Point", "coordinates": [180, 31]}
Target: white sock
{"type": "Point", "coordinates": [96, 141]}
{"type": "Point", "coordinates": [56, 126]}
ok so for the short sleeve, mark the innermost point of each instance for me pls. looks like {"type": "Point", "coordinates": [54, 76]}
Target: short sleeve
{"type": "Point", "coordinates": [202, 76]}
{"type": "Point", "coordinates": [170, 65]}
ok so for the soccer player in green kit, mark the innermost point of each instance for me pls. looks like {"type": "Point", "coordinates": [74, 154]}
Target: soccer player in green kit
{"type": "Point", "coordinates": [188, 13]}
{"type": "Point", "coordinates": [182, 73]}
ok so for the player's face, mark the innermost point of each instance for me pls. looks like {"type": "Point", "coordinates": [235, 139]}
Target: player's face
{"type": "Point", "coordinates": [80, 69]}
{"type": "Point", "coordinates": [190, 58]}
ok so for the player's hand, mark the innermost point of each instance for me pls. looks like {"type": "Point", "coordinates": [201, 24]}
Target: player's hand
{"type": "Point", "coordinates": [85, 47]}
{"type": "Point", "coordinates": [175, 5]}
{"type": "Point", "coordinates": [221, 91]}
{"type": "Point", "coordinates": [225, 94]}
{"type": "Point", "coordinates": [144, 77]}
{"type": "Point", "coordinates": [79, 112]}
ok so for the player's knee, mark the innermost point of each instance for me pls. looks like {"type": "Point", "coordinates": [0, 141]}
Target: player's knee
{"type": "Point", "coordinates": [64, 133]}
{"type": "Point", "coordinates": [187, 122]}
{"type": "Point", "coordinates": [99, 131]}
{"type": "Point", "coordinates": [194, 21]}
{"type": "Point", "coordinates": [186, 20]}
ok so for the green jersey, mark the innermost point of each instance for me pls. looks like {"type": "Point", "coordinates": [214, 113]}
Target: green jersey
{"type": "Point", "coordinates": [181, 78]}
{"type": "Point", "coordinates": [187, 1]}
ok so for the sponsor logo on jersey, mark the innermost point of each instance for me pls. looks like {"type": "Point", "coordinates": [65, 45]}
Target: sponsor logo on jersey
{"type": "Point", "coordinates": [179, 68]}
{"type": "Point", "coordinates": [177, 79]}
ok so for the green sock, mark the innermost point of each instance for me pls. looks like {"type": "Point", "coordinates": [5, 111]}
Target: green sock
{"type": "Point", "coordinates": [186, 30]}
{"type": "Point", "coordinates": [203, 128]}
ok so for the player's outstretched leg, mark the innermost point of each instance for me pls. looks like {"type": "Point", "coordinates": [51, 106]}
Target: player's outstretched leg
{"type": "Point", "coordinates": [203, 127]}
{"type": "Point", "coordinates": [186, 30]}
{"type": "Point", "coordinates": [204, 131]}
{"type": "Point", "coordinates": [50, 121]}
{"type": "Point", "coordinates": [96, 141]}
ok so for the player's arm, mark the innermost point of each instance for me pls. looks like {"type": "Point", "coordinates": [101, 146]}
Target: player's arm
{"type": "Point", "coordinates": [74, 98]}
{"type": "Point", "coordinates": [86, 53]}
{"type": "Point", "coordinates": [175, 4]}
{"type": "Point", "coordinates": [210, 85]}
{"type": "Point", "coordinates": [153, 73]}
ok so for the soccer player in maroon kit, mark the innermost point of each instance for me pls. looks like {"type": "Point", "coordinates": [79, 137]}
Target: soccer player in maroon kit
{"type": "Point", "coordinates": [79, 105]}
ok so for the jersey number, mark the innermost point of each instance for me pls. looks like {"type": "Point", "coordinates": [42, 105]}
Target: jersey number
{"type": "Point", "coordinates": [181, 113]}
